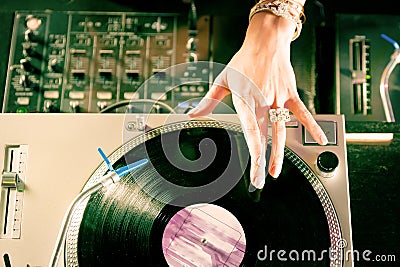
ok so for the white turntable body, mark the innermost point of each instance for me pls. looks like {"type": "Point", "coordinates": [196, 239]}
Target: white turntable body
{"type": "Point", "coordinates": [54, 154]}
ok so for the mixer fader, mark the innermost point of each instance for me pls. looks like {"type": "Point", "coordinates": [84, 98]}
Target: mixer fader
{"type": "Point", "coordinates": [87, 61]}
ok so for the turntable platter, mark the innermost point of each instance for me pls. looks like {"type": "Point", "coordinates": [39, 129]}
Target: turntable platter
{"type": "Point", "coordinates": [124, 224]}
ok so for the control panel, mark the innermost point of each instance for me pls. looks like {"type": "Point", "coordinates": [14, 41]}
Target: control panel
{"type": "Point", "coordinates": [362, 55]}
{"type": "Point", "coordinates": [87, 61]}
{"type": "Point", "coordinates": [360, 67]}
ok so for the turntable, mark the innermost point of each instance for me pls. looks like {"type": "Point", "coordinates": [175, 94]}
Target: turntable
{"type": "Point", "coordinates": [190, 205]}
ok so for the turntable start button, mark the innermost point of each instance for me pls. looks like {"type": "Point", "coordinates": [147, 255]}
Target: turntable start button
{"type": "Point", "coordinates": [330, 130]}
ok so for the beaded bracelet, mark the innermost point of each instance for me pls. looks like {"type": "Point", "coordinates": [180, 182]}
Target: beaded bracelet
{"type": "Point", "coordinates": [287, 9]}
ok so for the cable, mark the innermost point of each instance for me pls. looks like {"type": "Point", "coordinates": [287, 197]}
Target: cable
{"type": "Point", "coordinates": [384, 84]}
{"type": "Point", "coordinates": [390, 40]}
{"type": "Point", "coordinates": [110, 178]}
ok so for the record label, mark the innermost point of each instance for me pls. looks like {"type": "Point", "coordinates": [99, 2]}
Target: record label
{"type": "Point", "coordinates": [204, 235]}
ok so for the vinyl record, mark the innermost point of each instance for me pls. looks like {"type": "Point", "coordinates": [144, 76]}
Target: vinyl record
{"type": "Point", "coordinates": [127, 223]}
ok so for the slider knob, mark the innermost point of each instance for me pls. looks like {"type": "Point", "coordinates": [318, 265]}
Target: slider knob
{"type": "Point", "coordinates": [9, 180]}
{"type": "Point", "coordinates": [327, 163]}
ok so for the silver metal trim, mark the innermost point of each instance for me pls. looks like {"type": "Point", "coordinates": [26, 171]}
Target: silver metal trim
{"type": "Point", "coordinates": [384, 85]}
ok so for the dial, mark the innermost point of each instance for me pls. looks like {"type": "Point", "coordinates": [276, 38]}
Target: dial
{"type": "Point", "coordinates": [327, 162]}
{"type": "Point", "coordinates": [33, 23]}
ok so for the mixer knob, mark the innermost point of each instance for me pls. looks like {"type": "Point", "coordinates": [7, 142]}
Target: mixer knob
{"type": "Point", "coordinates": [49, 107]}
{"type": "Point", "coordinates": [54, 66]}
{"type": "Point", "coordinates": [25, 81]}
{"type": "Point", "coordinates": [28, 51]}
{"type": "Point", "coordinates": [327, 163]}
{"type": "Point", "coordinates": [102, 105]}
{"type": "Point", "coordinates": [75, 106]}
{"type": "Point", "coordinates": [26, 64]}
{"type": "Point", "coordinates": [33, 23]}
{"type": "Point", "coordinates": [31, 36]}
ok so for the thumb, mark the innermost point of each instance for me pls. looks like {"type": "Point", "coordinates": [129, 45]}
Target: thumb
{"type": "Point", "coordinates": [209, 101]}
{"type": "Point", "coordinates": [213, 97]}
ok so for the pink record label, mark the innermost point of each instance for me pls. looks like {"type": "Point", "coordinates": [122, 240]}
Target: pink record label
{"type": "Point", "coordinates": [204, 235]}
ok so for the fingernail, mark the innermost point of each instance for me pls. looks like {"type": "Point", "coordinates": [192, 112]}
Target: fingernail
{"type": "Point", "coordinates": [252, 188]}
{"type": "Point", "coordinates": [275, 171]}
{"type": "Point", "coordinates": [258, 182]}
{"type": "Point", "coordinates": [323, 139]}
{"type": "Point", "coordinates": [191, 111]}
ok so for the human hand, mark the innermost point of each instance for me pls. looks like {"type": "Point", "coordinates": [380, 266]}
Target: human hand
{"type": "Point", "coordinates": [260, 77]}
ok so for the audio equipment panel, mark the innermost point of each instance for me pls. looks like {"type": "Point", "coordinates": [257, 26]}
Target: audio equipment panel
{"type": "Point", "coordinates": [362, 55]}
{"type": "Point", "coordinates": [87, 61]}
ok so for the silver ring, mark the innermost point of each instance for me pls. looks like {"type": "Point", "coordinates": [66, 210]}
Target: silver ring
{"type": "Point", "coordinates": [279, 114]}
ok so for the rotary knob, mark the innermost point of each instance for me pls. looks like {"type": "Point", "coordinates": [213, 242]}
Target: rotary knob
{"type": "Point", "coordinates": [75, 106]}
{"type": "Point", "coordinates": [28, 50]}
{"type": "Point", "coordinates": [54, 66]}
{"type": "Point", "coordinates": [31, 36]}
{"type": "Point", "coordinates": [327, 163]}
{"type": "Point", "coordinates": [101, 105]}
{"type": "Point", "coordinates": [49, 107]}
{"type": "Point", "coordinates": [33, 23]}
{"type": "Point", "coordinates": [26, 64]}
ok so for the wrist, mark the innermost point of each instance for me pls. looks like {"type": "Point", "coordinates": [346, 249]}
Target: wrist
{"type": "Point", "coordinates": [267, 31]}
{"type": "Point", "coordinates": [291, 10]}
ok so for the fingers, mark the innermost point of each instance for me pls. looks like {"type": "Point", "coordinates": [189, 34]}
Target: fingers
{"type": "Point", "coordinates": [213, 97]}
{"type": "Point", "coordinates": [257, 167]}
{"type": "Point", "coordinates": [256, 142]}
{"type": "Point", "coordinates": [306, 118]}
{"type": "Point", "coordinates": [245, 98]}
{"type": "Point", "coordinates": [278, 148]}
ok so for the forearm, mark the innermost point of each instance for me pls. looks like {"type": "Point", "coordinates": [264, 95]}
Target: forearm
{"type": "Point", "coordinates": [266, 30]}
